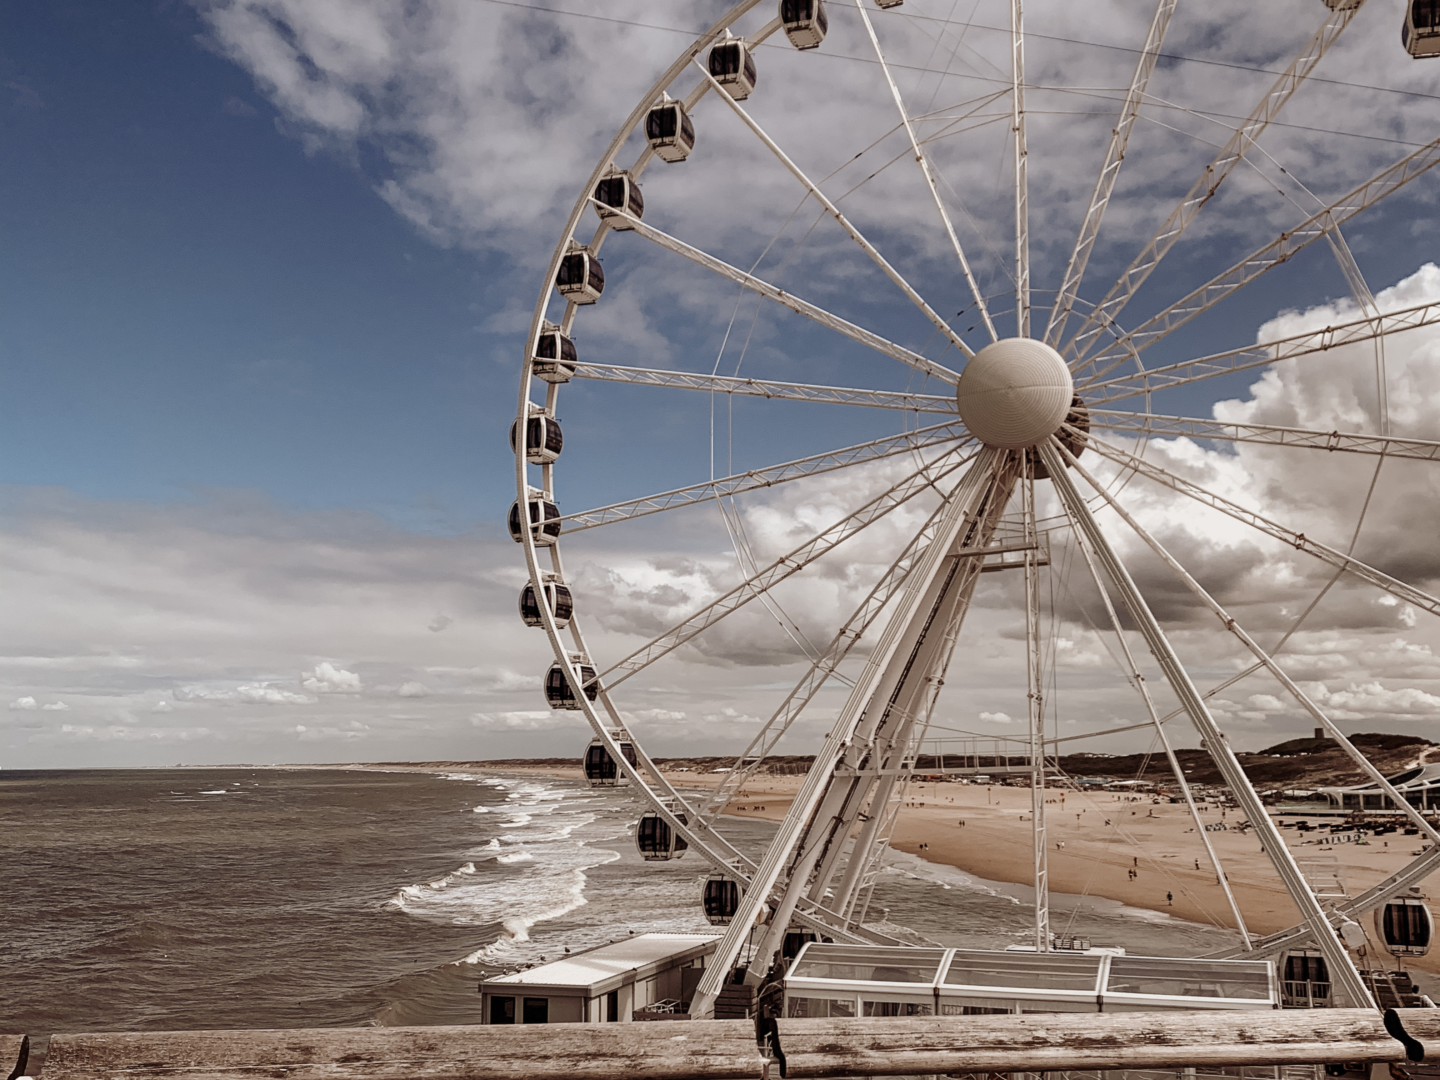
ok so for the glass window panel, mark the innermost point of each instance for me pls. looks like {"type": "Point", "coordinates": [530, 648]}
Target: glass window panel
{"type": "Point", "coordinates": [864, 964]}
{"type": "Point", "coordinates": [973, 968]}
{"type": "Point", "coordinates": [898, 1008]}
{"type": "Point", "coordinates": [820, 1007]}
{"type": "Point", "coordinates": [1189, 978]}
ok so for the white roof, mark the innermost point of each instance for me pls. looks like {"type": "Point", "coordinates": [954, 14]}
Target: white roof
{"type": "Point", "coordinates": [607, 961]}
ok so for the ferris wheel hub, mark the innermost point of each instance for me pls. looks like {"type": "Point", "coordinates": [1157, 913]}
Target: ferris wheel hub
{"type": "Point", "coordinates": [1014, 392]}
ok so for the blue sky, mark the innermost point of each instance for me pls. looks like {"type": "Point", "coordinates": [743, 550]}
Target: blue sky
{"type": "Point", "coordinates": [266, 272]}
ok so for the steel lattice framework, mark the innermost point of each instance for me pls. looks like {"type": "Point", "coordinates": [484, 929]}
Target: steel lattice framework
{"type": "Point", "coordinates": [966, 508]}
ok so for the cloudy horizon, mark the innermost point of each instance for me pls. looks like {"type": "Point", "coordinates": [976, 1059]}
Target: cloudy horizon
{"type": "Point", "coordinates": [272, 265]}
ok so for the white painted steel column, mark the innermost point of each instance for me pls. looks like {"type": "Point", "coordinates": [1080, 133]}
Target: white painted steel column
{"type": "Point", "coordinates": [1342, 967]}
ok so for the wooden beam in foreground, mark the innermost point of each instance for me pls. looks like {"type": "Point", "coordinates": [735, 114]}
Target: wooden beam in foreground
{"type": "Point", "coordinates": [726, 1050]}
{"type": "Point", "coordinates": [717, 1050]}
{"type": "Point", "coordinates": [1035, 1042]}
{"type": "Point", "coordinates": [14, 1054]}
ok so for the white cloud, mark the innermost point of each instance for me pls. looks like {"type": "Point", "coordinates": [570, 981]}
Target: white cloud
{"type": "Point", "coordinates": [26, 702]}
{"type": "Point", "coordinates": [413, 690]}
{"type": "Point", "coordinates": [995, 718]}
{"type": "Point", "coordinates": [326, 678]}
{"type": "Point", "coordinates": [1368, 701]}
{"type": "Point", "coordinates": [527, 720]}
{"type": "Point", "coordinates": [248, 694]}
{"type": "Point", "coordinates": [56, 706]}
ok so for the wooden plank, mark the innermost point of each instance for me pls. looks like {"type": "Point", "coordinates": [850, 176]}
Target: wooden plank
{"type": "Point", "coordinates": [1036, 1042]}
{"type": "Point", "coordinates": [714, 1050]}
{"type": "Point", "coordinates": [14, 1054]}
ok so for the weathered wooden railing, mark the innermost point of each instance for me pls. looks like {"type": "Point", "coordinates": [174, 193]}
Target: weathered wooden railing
{"type": "Point", "coordinates": [727, 1050]}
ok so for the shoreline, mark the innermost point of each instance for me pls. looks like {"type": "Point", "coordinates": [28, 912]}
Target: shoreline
{"type": "Point", "coordinates": [1127, 849]}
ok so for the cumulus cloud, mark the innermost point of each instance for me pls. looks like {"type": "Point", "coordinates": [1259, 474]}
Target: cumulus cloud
{"type": "Point", "coordinates": [326, 678]}
{"type": "Point", "coordinates": [26, 702]}
{"type": "Point", "coordinates": [413, 689]}
{"type": "Point", "coordinates": [995, 718]}
{"type": "Point", "coordinates": [249, 694]}
{"type": "Point", "coordinates": [56, 706]}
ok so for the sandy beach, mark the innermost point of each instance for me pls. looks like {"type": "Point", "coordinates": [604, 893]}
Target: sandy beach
{"type": "Point", "coordinates": [1120, 847]}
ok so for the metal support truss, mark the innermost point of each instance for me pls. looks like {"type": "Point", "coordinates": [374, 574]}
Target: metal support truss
{"type": "Point", "coordinates": [787, 565]}
{"type": "Point", "coordinates": [820, 671]}
{"type": "Point", "coordinates": [834, 211]}
{"type": "Point", "coordinates": [1310, 343]}
{"type": "Point", "coordinates": [913, 609]}
{"type": "Point", "coordinates": [1156, 425]}
{"type": "Point", "coordinates": [928, 174]}
{"type": "Point", "coordinates": [781, 297]}
{"type": "Point", "coordinates": [1022, 183]}
{"type": "Point", "coordinates": [768, 388]}
{"type": "Point", "coordinates": [1299, 541]}
{"type": "Point", "coordinates": [1342, 968]}
{"type": "Point", "coordinates": [1209, 181]}
{"type": "Point", "coordinates": [752, 479]}
{"type": "Point", "coordinates": [1281, 249]}
{"type": "Point", "coordinates": [1035, 707]}
{"type": "Point", "coordinates": [1265, 659]}
{"type": "Point", "coordinates": [1109, 173]}
{"type": "Point", "coordinates": [1137, 680]}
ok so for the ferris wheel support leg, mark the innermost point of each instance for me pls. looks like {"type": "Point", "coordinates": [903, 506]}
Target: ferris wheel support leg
{"type": "Point", "coordinates": [1132, 672]}
{"type": "Point", "coordinates": [1342, 968]}
{"type": "Point", "coordinates": [1035, 703]}
{"type": "Point", "coordinates": [911, 609]}
{"type": "Point", "coordinates": [1268, 662]}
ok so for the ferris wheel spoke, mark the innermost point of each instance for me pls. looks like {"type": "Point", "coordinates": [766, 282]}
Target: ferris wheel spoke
{"type": "Point", "coordinates": [1351, 565]}
{"type": "Point", "coordinates": [767, 388]}
{"type": "Point", "coordinates": [1109, 172]}
{"type": "Point", "coordinates": [1342, 968]}
{"type": "Point", "coordinates": [1137, 681]}
{"type": "Point", "coordinates": [1281, 249]}
{"type": "Point", "coordinates": [923, 479]}
{"type": "Point", "coordinates": [1156, 425]}
{"type": "Point", "coordinates": [1310, 343]}
{"type": "Point", "coordinates": [925, 170]}
{"type": "Point", "coordinates": [834, 211]}
{"type": "Point", "coordinates": [824, 667]}
{"type": "Point", "coordinates": [794, 303]}
{"type": "Point", "coordinates": [1276, 671]}
{"type": "Point", "coordinates": [750, 480]}
{"type": "Point", "coordinates": [1022, 184]}
{"type": "Point", "coordinates": [1209, 181]}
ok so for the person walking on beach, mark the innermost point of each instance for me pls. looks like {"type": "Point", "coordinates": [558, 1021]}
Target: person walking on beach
{"type": "Point", "coordinates": [1170, 899]}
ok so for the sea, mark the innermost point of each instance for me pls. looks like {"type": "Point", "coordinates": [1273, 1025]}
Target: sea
{"type": "Point", "coordinates": [170, 899]}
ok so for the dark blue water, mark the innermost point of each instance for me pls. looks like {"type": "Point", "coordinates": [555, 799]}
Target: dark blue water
{"type": "Point", "coordinates": [173, 899]}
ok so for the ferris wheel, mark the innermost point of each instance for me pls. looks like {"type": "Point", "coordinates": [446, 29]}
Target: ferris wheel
{"type": "Point", "coordinates": [1027, 430]}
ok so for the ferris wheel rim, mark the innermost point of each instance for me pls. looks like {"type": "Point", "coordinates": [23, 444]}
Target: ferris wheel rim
{"type": "Point", "coordinates": [606, 718]}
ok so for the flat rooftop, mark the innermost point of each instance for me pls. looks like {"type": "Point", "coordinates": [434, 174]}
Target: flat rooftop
{"type": "Point", "coordinates": [606, 961]}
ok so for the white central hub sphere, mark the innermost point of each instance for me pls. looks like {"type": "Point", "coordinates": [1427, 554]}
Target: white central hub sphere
{"type": "Point", "coordinates": [1014, 392]}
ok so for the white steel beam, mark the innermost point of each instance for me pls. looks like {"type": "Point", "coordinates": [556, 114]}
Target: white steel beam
{"type": "Point", "coordinates": [1342, 969]}
{"type": "Point", "coordinates": [1281, 249]}
{"type": "Point", "coordinates": [1022, 183]}
{"type": "Point", "coordinates": [767, 388]}
{"type": "Point", "coordinates": [1310, 343]}
{"type": "Point", "coordinates": [911, 609]}
{"type": "Point", "coordinates": [1109, 173]}
{"type": "Point", "coordinates": [928, 174]}
{"type": "Point", "coordinates": [794, 303]}
{"type": "Point", "coordinates": [1137, 680]}
{"type": "Point", "coordinates": [1299, 541]}
{"type": "Point", "coordinates": [923, 479]}
{"type": "Point", "coordinates": [1268, 662]}
{"type": "Point", "coordinates": [834, 211]}
{"type": "Point", "coordinates": [1209, 181]}
{"type": "Point", "coordinates": [753, 479]}
{"type": "Point", "coordinates": [1157, 425]}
